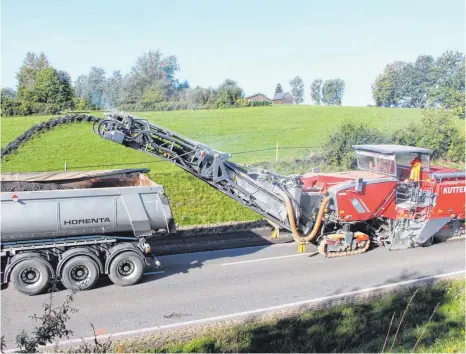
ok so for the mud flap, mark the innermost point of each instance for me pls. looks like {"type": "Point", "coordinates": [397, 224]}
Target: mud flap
{"type": "Point", "coordinates": [431, 228]}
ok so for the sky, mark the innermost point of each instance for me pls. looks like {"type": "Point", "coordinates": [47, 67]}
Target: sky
{"type": "Point", "coordinates": [256, 43]}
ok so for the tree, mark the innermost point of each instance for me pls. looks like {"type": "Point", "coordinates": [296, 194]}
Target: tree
{"type": "Point", "coordinates": [426, 82]}
{"type": "Point", "coordinates": [41, 88]}
{"type": "Point", "coordinates": [327, 92]}
{"type": "Point", "coordinates": [150, 70]}
{"type": "Point", "coordinates": [316, 91]}
{"type": "Point", "coordinates": [54, 87]}
{"type": "Point", "coordinates": [332, 91]}
{"type": "Point", "coordinates": [111, 92]}
{"type": "Point", "coordinates": [297, 89]}
{"type": "Point", "coordinates": [229, 94]}
{"type": "Point", "coordinates": [90, 88]}
{"type": "Point", "coordinates": [66, 91]}
{"type": "Point", "coordinates": [278, 89]}
{"type": "Point", "coordinates": [96, 85]}
{"type": "Point", "coordinates": [8, 92]}
{"type": "Point", "coordinates": [387, 88]}
{"type": "Point", "coordinates": [27, 75]}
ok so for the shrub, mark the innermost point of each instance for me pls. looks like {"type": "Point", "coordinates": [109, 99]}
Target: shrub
{"type": "Point", "coordinates": [154, 106]}
{"type": "Point", "coordinates": [435, 131]}
{"type": "Point", "coordinates": [260, 103]}
{"type": "Point", "coordinates": [14, 107]}
{"type": "Point", "coordinates": [337, 148]}
{"type": "Point", "coordinates": [456, 152]}
{"type": "Point", "coordinates": [242, 102]}
{"type": "Point", "coordinates": [10, 107]}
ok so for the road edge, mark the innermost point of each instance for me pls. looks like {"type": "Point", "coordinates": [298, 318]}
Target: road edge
{"type": "Point", "coordinates": [187, 330]}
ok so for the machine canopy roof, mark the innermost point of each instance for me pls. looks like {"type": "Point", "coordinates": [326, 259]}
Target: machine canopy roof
{"type": "Point", "coordinates": [392, 149]}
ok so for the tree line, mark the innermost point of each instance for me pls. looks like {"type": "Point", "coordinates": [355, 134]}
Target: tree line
{"type": "Point", "coordinates": [329, 92]}
{"type": "Point", "coordinates": [428, 82]}
{"type": "Point", "coordinates": [150, 85]}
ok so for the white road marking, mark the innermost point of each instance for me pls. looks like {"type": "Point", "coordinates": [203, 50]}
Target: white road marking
{"type": "Point", "coordinates": [247, 313]}
{"type": "Point", "coordinates": [158, 272]}
{"type": "Point", "coordinates": [268, 259]}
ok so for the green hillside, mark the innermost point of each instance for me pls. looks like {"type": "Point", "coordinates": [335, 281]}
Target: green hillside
{"type": "Point", "coordinates": [229, 130]}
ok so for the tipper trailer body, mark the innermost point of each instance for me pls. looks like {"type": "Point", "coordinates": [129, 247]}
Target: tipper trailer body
{"type": "Point", "coordinates": [91, 223]}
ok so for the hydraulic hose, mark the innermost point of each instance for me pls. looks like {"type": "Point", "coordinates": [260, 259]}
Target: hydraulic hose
{"type": "Point", "coordinates": [296, 236]}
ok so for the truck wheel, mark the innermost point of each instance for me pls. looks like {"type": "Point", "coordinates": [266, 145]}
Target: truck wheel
{"type": "Point", "coordinates": [80, 272]}
{"type": "Point", "coordinates": [30, 277]}
{"type": "Point", "coordinates": [126, 269]}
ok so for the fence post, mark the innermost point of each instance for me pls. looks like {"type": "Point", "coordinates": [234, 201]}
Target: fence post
{"type": "Point", "coordinates": [276, 154]}
{"type": "Point", "coordinates": [65, 166]}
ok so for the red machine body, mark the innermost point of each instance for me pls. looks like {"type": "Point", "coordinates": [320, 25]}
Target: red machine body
{"type": "Point", "coordinates": [381, 199]}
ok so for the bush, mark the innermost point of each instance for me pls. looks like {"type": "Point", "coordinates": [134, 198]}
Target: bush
{"type": "Point", "coordinates": [337, 148]}
{"type": "Point", "coordinates": [435, 131]}
{"type": "Point", "coordinates": [10, 107]}
{"type": "Point", "coordinates": [456, 152]}
{"type": "Point", "coordinates": [14, 107]}
{"type": "Point", "coordinates": [154, 106]}
{"type": "Point", "coordinates": [259, 103]}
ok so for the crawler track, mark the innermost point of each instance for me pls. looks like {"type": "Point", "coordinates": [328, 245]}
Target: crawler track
{"type": "Point", "coordinates": [323, 251]}
{"type": "Point", "coordinates": [13, 146]}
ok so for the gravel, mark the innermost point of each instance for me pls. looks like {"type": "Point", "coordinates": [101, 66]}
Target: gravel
{"type": "Point", "coordinates": [29, 186]}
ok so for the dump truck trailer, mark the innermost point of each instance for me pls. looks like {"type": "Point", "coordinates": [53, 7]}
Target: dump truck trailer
{"type": "Point", "coordinates": [77, 226]}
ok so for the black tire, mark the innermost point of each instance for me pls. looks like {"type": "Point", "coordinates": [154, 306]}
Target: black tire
{"type": "Point", "coordinates": [80, 272]}
{"type": "Point", "coordinates": [31, 276]}
{"type": "Point", "coordinates": [126, 269]}
{"type": "Point", "coordinates": [429, 242]}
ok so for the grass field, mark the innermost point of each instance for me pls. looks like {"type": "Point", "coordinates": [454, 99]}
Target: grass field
{"type": "Point", "coordinates": [228, 130]}
{"type": "Point", "coordinates": [357, 328]}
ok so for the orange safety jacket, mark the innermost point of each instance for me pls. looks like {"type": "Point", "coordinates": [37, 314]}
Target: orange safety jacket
{"type": "Point", "coordinates": [415, 170]}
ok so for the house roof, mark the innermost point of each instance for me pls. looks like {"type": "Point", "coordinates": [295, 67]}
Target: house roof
{"type": "Point", "coordinates": [280, 96]}
{"type": "Point", "coordinates": [392, 149]}
{"type": "Point", "coordinates": [257, 94]}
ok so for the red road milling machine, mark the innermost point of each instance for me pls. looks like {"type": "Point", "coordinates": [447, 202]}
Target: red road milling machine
{"type": "Point", "coordinates": [86, 224]}
{"type": "Point", "coordinates": [395, 199]}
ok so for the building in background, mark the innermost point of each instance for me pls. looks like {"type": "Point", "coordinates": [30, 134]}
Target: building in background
{"type": "Point", "coordinates": [258, 97]}
{"type": "Point", "coordinates": [283, 98]}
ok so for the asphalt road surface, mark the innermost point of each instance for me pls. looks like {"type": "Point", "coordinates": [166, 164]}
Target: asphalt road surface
{"type": "Point", "coordinates": [208, 284]}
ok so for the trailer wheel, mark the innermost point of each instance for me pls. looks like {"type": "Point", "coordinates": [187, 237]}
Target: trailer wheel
{"type": "Point", "coordinates": [31, 276]}
{"type": "Point", "coordinates": [126, 269]}
{"type": "Point", "coordinates": [80, 272]}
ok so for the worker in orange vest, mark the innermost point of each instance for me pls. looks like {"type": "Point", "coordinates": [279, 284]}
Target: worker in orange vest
{"type": "Point", "coordinates": [416, 166]}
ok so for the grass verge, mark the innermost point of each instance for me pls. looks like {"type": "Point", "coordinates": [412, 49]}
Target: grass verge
{"type": "Point", "coordinates": [361, 327]}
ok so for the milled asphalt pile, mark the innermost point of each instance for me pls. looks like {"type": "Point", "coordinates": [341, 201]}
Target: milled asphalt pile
{"type": "Point", "coordinates": [29, 186]}
{"type": "Point", "coordinates": [42, 127]}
